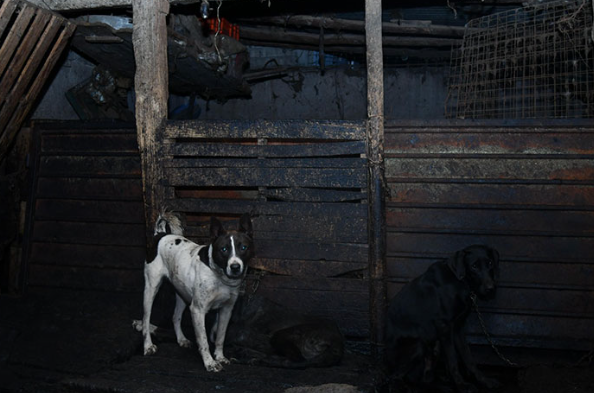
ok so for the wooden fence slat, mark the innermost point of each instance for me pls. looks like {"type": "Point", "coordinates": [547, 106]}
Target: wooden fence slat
{"type": "Point", "coordinates": [214, 206]}
{"type": "Point", "coordinates": [12, 41]}
{"type": "Point", "coordinates": [89, 165]}
{"type": "Point", "coordinates": [6, 11]}
{"type": "Point", "coordinates": [312, 195]}
{"type": "Point", "coordinates": [282, 249]}
{"type": "Point", "coordinates": [90, 211]}
{"type": "Point", "coordinates": [98, 256]}
{"type": "Point", "coordinates": [90, 188]}
{"type": "Point", "coordinates": [266, 177]}
{"type": "Point", "coordinates": [86, 278]}
{"type": "Point", "coordinates": [278, 129]}
{"type": "Point", "coordinates": [265, 163]}
{"type": "Point", "coordinates": [89, 144]}
{"type": "Point", "coordinates": [237, 150]}
{"type": "Point", "coordinates": [291, 267]}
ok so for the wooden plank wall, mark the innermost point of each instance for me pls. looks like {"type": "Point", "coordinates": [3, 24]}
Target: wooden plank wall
{"type": "Point", "coordinates": [31, 42]}
{"type": "Point", "coordinates": [86, 222]}
{"type": "Point", "coordinates": [526, 190]}
{"type": "Point", "coordinates": [304, 183]}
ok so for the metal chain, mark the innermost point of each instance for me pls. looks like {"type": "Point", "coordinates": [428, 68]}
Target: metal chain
{"type": "Point", "coordinates": [487, 335]}
{"type": "Point", "coordinates": [259, 274]}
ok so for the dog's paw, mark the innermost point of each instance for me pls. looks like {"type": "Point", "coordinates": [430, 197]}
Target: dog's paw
{"type": "Point", "coordinates": [150, 350]}
{"type": "Point", "coordinates": [184, 343]}
{"type": "Point", "coordinates": [214, 367]}
{"type": "Point", "coordinates": [137, 324]}
{"type": "Point", "coordinates": [223, 360]}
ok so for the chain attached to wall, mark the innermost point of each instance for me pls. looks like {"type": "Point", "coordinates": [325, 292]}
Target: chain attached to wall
{"type": "Point", "coordinates": [532, 62]}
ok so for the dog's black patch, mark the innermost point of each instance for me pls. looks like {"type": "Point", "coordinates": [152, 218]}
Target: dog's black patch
{"type": "Point", "coordinates": [177, 242]}
{"type": "Point", "coordinates": [151, 251]}
{"type": "Point", "coordinates": [204, 255]}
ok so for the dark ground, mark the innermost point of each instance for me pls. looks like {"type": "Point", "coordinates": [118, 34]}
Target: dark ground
{"type": "Point", "coordinates": [67, 342]}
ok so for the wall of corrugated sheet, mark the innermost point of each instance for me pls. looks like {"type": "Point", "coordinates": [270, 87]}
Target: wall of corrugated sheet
{"type": "Point", "coordinates": [527, 190]}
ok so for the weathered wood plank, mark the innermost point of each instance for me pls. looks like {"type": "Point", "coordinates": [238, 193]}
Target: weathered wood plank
{"type": "Point", "coordinates": [90, 211]}
{"type": "Point", "coordinates": [241, 151]}
{"type": "Point", "coordinates": [513, 272]}
{"type": "Point", "coordinates": [266, 177]}
{"type": "Point", "coordinates": [313, 195]}
{"type": "Point", "coordinates": [291, 267]}
{"type": "Point", "coordinates": [12, 39]}
{"type": "Point", "coordinates": [497, 193]}
{"type": "Point", "coordinates": [540, 248]}
{"type": "Point", "coordinates": [265, 163]}
{"type": "Point", "coordinates": [545, 223]}
{"type": "Point", "coordinates": [102, 256]}
{"type": "Point", "coordinates": [519, 141]}
{"type": "Point", "coordinates": [256, 129]}
{"type": "Point", "coordinates": [580, 169]}
{"type": "Point", "coordinates": [214, 206]}
{"type": "Point", "coordinates": [89, 233]}
{"type": "Point", "coordinates": [86, 278]}
{"type": "Point", "coordinates": [315, 228]}
{"type": "Point", "coordinates": [90, 188]}
{"type": "Point", "coordinates": [89, 144]}
{"type": "Point", "coordinates": [282, 249]}
{"type": "Point", "coordinates": [73, 166]}
{"type": "Point", "coordinates": [24, 64]}
{"type": "Point", "coordinates": [6, 11]}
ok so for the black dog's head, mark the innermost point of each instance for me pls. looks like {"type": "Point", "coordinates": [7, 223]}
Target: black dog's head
{"type": "Point", "coordinates": [479, 266]}
{"type": "Point", "coordinates": [231, 250]}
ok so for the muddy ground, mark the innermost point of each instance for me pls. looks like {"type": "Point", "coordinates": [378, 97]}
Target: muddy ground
{"type": "Point", "coordinates": [66, 342]}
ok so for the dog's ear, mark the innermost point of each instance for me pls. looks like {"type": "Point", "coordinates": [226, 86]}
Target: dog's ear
{"type": "Point", "coordinates": [216, 228]}
{"type": "Point", "coordinates": [245, 224]}
{"type": "Point", "coordinates": [456, 264]}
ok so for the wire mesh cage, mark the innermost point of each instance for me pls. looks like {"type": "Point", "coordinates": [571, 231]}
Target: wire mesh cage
{"type": "Point", "coordinates": [532, 62]}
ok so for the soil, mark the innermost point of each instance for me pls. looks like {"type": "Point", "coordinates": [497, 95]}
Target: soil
{"type": "Point", "coordinates": [71, 342]}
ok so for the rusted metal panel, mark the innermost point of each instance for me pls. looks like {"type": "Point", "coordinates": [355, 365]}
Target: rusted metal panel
{"type": "Point", "coordinates": [525, 189]}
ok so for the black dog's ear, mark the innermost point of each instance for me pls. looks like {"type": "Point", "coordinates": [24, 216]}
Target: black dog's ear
{"type": "Point", "coordinates": [245, 224]}
{"type": "Point", "coordinates": [216, 228]}
{"type": "Point", "coordinates": [456, 264]}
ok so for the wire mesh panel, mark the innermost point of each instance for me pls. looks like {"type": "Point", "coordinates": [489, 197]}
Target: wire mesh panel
{"type": "Point", "coordinates": [532, 62]}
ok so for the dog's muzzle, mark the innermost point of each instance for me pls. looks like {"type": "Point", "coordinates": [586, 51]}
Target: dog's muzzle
{"type": "Point", "coordinates": [234, 268]}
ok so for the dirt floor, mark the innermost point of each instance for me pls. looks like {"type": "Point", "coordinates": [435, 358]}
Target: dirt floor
{"type": "Point", "coordinates": [67, 342]}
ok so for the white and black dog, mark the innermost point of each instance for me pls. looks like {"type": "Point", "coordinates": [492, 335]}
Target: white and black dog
{"type": "Point", "coordinates": [205, 277]}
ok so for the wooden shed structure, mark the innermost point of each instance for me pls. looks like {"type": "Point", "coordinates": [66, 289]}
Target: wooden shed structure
{"type": "Point", "coordinates": [345, 212]}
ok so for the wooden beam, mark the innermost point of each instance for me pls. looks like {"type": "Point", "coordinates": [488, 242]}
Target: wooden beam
{"type": "Point", "coordinates": [80, 5]}
{"type": "Point", "coordinates": [410, 27]}
{"type": "Point", "coordinates": [377, 181]}
{"type": "Point", "coordinates": [151, 86]}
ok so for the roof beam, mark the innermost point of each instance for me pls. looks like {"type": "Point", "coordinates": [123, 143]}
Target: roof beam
{"type": "Point", "coordinates": [80, 5]}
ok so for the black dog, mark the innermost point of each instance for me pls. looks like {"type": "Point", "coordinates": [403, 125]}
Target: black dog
{"type": "Point", "coordinates": [265, 333]}
{"type": "Point", "coordinates": [426, 319]}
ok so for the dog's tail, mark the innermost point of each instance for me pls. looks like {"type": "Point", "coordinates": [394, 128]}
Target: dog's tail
{"type": "Point", "coordinates": [168, 223]}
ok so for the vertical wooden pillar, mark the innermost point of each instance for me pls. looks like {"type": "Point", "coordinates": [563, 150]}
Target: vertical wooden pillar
{"type": "Point", "coordinates": [375, 157]}
{"type": "Point", "coordinates": [151, 85]}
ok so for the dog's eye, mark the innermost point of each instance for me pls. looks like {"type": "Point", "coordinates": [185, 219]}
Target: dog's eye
{"type": "Point", "coordinates": [474, 266]}
{"type": "Point", "coordinates": [223, 249]}
{"type": "Point", "coordinates": [244, 247]}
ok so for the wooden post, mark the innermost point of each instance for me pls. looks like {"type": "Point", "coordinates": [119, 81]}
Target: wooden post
{"type": "Point", "coordinates": [375, 157]}
{"type": "Point", "coordinates": [151, 85]}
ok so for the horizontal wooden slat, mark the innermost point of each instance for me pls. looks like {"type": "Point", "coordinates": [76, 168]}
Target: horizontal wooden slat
{"type": "Point", "coordinates": [552, 222]}
{"type": "Point", "coordinates": [266, 163]}
{"type": "Point", "coordinates": [301, 228]}
{"type": "Point", "coordinates": [303, 194]}
{"type": "Point", "coordinates": [89, 144]}
{"type": "Point", "coordinates": [278, 129]}
{"type": "Point", "coordinates": [444, 193]}
{"type": "Point", "coordinates": [570, 249]}
{"type": "Point", "coordinates": [519, 141]}
{"type": "Point", "coordinates": [292, 267]}
{"type": "Point", "coordinates": [82, 255]}
{"type": "Point", "coordinates": [533, 301]}
{"type": "Point", "coordinates": [481, 168]}
{"type": "Point", "coordinates": [73, 166]}
{"type": "Point", "coordinates": [90, 211]}
{"type": "Point", "coordinates": [282, 249]}
{"type": "Point", "coordinates": [217, 206]}
{"type": "Point", "coordinates": [238, 150]}
{"type": "Point", "coordinates": [516, 273]}
{"type": "Point", "coordinates": [86, 278]}
{"type": "Point", "coordinates": [90, 188]}
{"type": "Point", "coordinates": [89, 233]}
